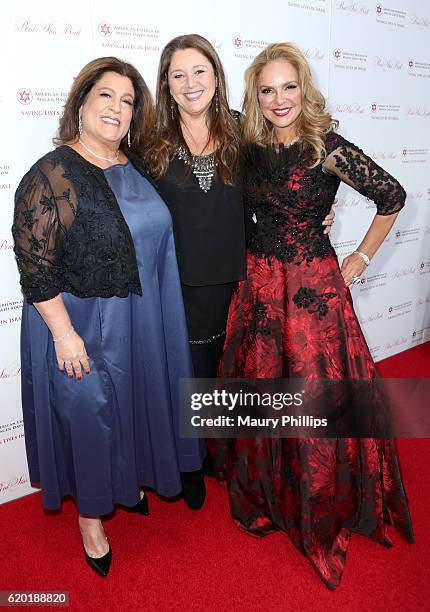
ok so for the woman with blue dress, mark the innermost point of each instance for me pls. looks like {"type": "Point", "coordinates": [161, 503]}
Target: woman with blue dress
{"type": "Point", "coordinates": [104, 339]}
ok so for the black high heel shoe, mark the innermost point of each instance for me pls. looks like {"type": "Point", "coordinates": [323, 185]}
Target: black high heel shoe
{"type": "Point", "coordinates": [100, 565]}
{"type": "Point", "coordinates": [142, 506]}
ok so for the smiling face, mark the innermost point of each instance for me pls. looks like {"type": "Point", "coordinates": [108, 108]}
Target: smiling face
{"type": "Point", "coordinates": [108, 109]}
{"type": "Point", "coordinates": [191, 81]}
{"type": "Point", "coordinates": [280, 97]}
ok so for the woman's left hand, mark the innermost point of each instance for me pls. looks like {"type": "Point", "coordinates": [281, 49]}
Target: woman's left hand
{"type": "Point", "coordinates": [328, 221]}
{"type": "Point", "coordinates": [352, 267]}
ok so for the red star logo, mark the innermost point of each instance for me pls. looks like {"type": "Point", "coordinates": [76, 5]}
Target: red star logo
{"type": "Point", "coordinates": [24, 96]}
{"type": "Point", "coordinates": [237, 42]}
{"type": "Point", "coordinates": [105, 28]}
{"type": "Point", "coordinates": [337, 53]}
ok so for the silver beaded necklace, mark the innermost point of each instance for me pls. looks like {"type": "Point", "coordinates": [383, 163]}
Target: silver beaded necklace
{"type": "Point", "coordinates": [203, 166]}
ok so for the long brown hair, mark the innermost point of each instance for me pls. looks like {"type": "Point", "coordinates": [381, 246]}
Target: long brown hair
{"type": "Point", "coordinates": [167, 135]}
{"type": "Point", "coordinates": [313, 123]}
{"type": "Point", "coordinates": [143, 108]}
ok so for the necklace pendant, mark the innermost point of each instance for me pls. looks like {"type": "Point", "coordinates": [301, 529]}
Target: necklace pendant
{"type": "Point", "coordinates": [203, 167]}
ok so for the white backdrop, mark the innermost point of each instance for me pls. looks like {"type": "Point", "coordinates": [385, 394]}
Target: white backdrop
{"type": "Point", "coordinates": [371, 60]}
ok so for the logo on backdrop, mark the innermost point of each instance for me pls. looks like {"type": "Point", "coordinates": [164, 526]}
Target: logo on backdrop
{"type": "Point", "coordinates": [4, 175]}
{"type": "Point", "coordinates": [237, 42]}
{"type": "Point", "coordinates": [310, 5]}
{"type": "Point", "coordinates": [374, 281]}
{"type": "Point", "coordinates": [10, 371]}
{"type": "Point", "coordinates": [412, 234]}
{"type": "Point", "coordinates": [349, 60]}
{"type": "Point", "coordinates": [24, 95]}
{"type": "Point", "coordinates": [421, 335]}
{"type": "Point", "coordinates": [379, 155]}
{"type": "Point", "coordinates": [344, 248]}
{"type": "Point", "coordinates": [414, 156]}
{"type": "Point", "coordinates": [399, 310]}
{"type": "Point", "coordinates": [247, 48]}
{"type": "Point", "coordinates": [387, 63]}
{"type": "Point", "coordinates": [357, 8]}
{"type": "Point", "coordinates": [385, 112]}
{"type": "Point", "coordinates": [397, 343]}
{"type": "Point", "coordinates": [129, 37]}
{"type": "Point", "coordinates": [13, 483]}
{"type": "Point", "coordinates": [349, 108]}
{"type": "Point", "coordinates": [414, 195]}
{"type": "Point", "coordinates": [424, 267]}
{"type": "Point", "coordinates": [371, 318]}
{"type": "Point", "coordinates": [313, 54]}
{"type": "Point", "coordinates": [420, 112]}
{"type": "Point", "coordinates": [418, 69]}
{"type": "Point", "coordinates": [419, 20]}
{"type": "Point", "coordinates": [105, 28]}
{"type": "Point", "coordinates": [390, 16]}
{"type": "Point", "coordinates": [41, 102]}
{"type": "Point", "coordinates": [52, 28]}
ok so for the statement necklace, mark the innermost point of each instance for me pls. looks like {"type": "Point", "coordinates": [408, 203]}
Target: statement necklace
{"type": "Point", "coordinates": [203, 166]}
{"type": "Point", "coordinates": [108, 159]}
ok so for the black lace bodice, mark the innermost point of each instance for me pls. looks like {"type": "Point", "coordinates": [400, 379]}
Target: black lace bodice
{"type": "Point", "coordinates": [290, 200]}
{"type": "Point", "coordinates": [69, 232]}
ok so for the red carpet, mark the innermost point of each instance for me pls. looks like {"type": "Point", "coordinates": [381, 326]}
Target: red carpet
{"type": "Point", "coordinates": [193, 561]}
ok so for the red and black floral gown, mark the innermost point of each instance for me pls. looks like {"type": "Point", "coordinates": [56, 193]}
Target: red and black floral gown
{"type": "Point", "coordinates": [293, 317]}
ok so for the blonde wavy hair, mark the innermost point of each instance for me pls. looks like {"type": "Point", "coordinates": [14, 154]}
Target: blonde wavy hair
{"type": "Point", "coordinates": [313, 123]}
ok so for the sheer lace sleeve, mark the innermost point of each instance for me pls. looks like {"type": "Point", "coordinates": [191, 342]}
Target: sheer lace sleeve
{"type": "Point", "coordinates": [45, 207]}
{"type": "Point", "coordinates": [359, 171]}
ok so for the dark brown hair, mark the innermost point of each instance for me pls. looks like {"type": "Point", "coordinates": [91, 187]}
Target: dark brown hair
{"type": "Point", "coordinates": [143, 109]}
{"type": "Point", "coordinates": [167, 135]}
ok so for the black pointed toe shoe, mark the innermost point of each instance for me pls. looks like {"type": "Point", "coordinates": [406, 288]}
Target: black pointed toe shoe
{"type": "Point", "coordinates": [100, 565]}
{"type": "Point", "coordinates": [142, 506]}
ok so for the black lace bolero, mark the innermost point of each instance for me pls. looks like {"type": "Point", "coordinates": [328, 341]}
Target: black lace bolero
{"type": "Point", "coordinates": [69, 232]}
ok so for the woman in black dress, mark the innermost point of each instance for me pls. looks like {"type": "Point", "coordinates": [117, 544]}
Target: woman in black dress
{"type": "Point", "coordinates": [195, 159]}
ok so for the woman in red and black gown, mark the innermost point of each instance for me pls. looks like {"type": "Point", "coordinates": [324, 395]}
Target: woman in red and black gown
{"type": "Point", "coordinates": [293, 317]}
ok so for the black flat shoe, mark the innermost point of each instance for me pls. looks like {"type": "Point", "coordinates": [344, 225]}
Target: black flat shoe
{"type": "Point", "coordinates": [100, 565]}
{"type": "Point", "coordinates": [142, 506]}
{"type": "Point", "coordinates": [193, 489]}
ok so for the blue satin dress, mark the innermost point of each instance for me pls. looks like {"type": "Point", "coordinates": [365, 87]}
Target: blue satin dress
{"type": "Point", "coordinates": [101, 438]}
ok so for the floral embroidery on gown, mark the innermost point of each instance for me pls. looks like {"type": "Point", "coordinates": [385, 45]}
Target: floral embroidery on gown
{"type": "Point", "coordinates": [293, 317]}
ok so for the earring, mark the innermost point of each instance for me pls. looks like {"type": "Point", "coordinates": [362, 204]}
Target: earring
{"type": "Point", "coordinates": [80, 127]}
{"type": "Point", "coordinates": [216, 101]}
{"type": "Point", "coordinates": [128, 139]}
{"type": "Point", "coordinates": [172, 107]}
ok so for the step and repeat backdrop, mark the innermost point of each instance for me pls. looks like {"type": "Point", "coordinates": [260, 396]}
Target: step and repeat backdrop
{"type": "Point", "coordinates": [372, 62]}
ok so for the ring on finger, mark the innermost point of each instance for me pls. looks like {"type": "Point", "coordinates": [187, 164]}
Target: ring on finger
{"type": "Point", "coordinates": [68, 365]}
{"type": "Point", "coordinates": [355, 279]}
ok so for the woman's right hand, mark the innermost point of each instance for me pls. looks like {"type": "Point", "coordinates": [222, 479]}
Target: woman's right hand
{"type": "Point", "coordinates": [72, 355]}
